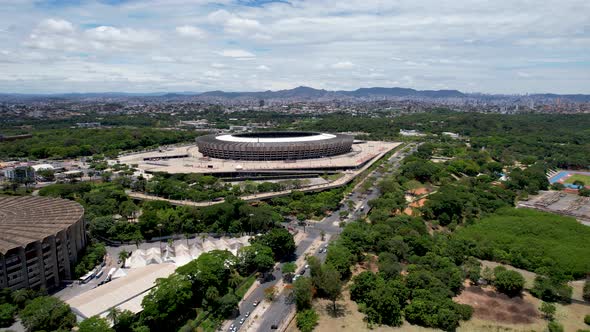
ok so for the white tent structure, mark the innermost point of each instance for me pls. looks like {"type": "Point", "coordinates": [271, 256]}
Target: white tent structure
{"type": "Point", "coordinates": [120, 273]}
{"type": "Point", "coordinates": [180, 254]}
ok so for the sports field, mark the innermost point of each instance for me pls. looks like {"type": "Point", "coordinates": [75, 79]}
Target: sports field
{"type": "Point", "coordinates": [578, 177]}
{"type": "Point", "coordinates": [567, 178]}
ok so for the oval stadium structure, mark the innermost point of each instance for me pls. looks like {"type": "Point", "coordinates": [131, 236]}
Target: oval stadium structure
{"type": "Point", "coordinates": [274, 145]}
{"type": "Point", "coordinates": [40, 239]}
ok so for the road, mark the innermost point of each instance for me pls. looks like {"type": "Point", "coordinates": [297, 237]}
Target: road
{"type": "Point", "coordinates": [279, 311]}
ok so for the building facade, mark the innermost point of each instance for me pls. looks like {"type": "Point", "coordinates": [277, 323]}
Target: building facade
{"type": "Point", "coordinates": [40, 240]}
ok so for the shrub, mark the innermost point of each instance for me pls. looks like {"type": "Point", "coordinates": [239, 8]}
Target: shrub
{"type": "Point", "coordinates": [587, 319]}
{"type": "Point", "coordinates": [586, 293]}
{"type": "Point", "coordinates": [307, 320]}
{"type": "Point", "coordinates": [554, 326]}
{"type": "Point", "coordinates": [551, 290]}
{"type": "Point", "coordinates": [509, 282]}
{"type": "Point", "coordinates": [7, 312]}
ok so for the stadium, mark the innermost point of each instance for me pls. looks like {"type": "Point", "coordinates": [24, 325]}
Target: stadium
{"type": "Point", "coordinates": [263, 146]}
{"type": "Point", "coordinates": [261, 155]}
{"type": "Point", "coordinates": [40, 239]}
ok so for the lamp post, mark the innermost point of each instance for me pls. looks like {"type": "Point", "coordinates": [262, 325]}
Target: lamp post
{"type": "Point", "coordinates": [160, 241]}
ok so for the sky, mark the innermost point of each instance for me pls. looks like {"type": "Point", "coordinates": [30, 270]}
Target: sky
{"type": "Point", "coordinates": [492, 46]}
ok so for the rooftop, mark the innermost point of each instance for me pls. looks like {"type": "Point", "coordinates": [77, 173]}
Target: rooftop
{"type": "Point", "coordinates": [31, 218]}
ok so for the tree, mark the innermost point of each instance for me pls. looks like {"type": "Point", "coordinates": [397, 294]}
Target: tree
{"type": "Point", "coordinates": [123, 255]}
{"type": "Point", "coordinates": [509, 282]}
{"type": "Point", "coordinates": [548, 310]}
{"type": "Point", "coordinates": [586, 292]}
{"type": "Point", "coordinates": [389, 266]}
{"type": "Point", "coordinates": [228, 304]}
{"type": "Point", "coordinates": [280, 240]}
{"type": "Point", "coordinates": [125, 321]}
{"type": "Point", "coordinates": [7, 312]}
{"type": "Point", "coordinates": [270, 293]}
{"type": "Point", "coordinates": [47, 313]}
{"type": "Point", "coordinates": [551, 290]}
{"type": "Point", "coordinates": [303, 293]}
{"type": "Point", "coordinates": [94, 324]}
{"type": "Point", "coordinates": [340, 257]}
{"type": "Point", "coordinates": [330, 284]}
{"type": "Point", "coordinates": [323, 234]}
{"type": "Point", "coordinates": [113, 315]}
{"type": "Point", "coordinates": [288, 270]}
{"type": "Point", "coordinates": [587, 319]}
{"type": "Point", "coordinates": [307, 320]}
{"type": "Point", "coordinates": [167, 302]}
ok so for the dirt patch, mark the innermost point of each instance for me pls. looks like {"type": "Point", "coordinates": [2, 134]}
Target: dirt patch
{"type": "Point", "coordinates": [490, 305]}
{"type": "Point", "coordinates": [369, 264]}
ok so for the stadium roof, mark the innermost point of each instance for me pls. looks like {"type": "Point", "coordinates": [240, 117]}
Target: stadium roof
{"type": "Point", "coordinates": [289, 139]}
{"type": "Point", "coordinates": [31, 218]}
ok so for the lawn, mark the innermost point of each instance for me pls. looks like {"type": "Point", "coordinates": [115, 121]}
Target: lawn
{"type": "Point", "coordinates": [578, 177]}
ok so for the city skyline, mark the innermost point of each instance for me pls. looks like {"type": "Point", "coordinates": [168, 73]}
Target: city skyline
{"type": "Point", "coordinates": [505, 47]}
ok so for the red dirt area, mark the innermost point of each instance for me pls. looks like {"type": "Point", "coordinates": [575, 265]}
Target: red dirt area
{"type": "Point", "coordinates": [414, 205]}
{"type": "Point", "coordinates": [419, 191]}
{"type": "Point", "coordinates": [490, 305]}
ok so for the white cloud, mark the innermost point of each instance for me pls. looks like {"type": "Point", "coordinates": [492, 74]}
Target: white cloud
{"type": "Point", "coordinates": [55, 26]}
{"type": "Point", "coordinates": [474, 46]}
{"type": "Point", "coordinates": [263, 67]}
{"type": "Point", "coordinates": [236, 53]}
{"type": "Point", "coordinates": [343, 65]}
{"type": "Point", "coordinates": [112, 34]}
{"type": "Point", "coordinates": [190, 31]}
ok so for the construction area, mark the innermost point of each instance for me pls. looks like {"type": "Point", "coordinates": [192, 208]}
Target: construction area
{"type": "Point", "coordinates": [560, 202]}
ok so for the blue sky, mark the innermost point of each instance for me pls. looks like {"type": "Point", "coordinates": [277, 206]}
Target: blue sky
{"type": "Point", "coordinates": [502, 46]}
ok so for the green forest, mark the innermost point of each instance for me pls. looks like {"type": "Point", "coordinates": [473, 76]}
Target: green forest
{"type": "Point", "coordinates": [546, 243]}
{"type": "Point", "coordinates": [71, 143]}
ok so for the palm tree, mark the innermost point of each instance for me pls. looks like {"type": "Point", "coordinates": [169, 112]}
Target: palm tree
{"type": "Point", "coordinates": [113, 315]}
{"type": "Point", "coordinates": [123, 255]}
{"type": "Point", "coordinates": [203, 237]}
{"type": "Point", "coordinates": [323, 235]}
{"type": "Point", "coordinates": [235, 279]}
{"type": "Point", "coordinates": [20, 297]}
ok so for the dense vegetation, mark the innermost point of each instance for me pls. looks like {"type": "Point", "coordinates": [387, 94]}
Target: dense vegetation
{"type": "Point", "coordinates": [532, 240]}
{"type": "Point", "coordinates": [71, 143]}
{"type": "Point", "coordinates": [560, 140]}
{"type": "Point", "coordinates": [36, 311]}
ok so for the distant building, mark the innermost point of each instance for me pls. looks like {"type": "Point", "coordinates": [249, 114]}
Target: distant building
{"type": "Point", "coordinates": [451, 135]}
{"type": "Point", "coordinates": [411, 132]}
{"type": "Point", "coordinates": [88, 125]}
{"type": "Point", "coordinates": [20, 174]}
{"type": "Point", "coordinates": [15, 137]}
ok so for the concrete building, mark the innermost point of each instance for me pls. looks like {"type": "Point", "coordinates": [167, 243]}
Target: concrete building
{"type": "Point", "coordinates": [40, 239]}
{"type": "Point", "coordinates": [20, 174]}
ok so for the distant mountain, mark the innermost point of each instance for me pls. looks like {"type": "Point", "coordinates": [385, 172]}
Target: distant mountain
{"type": "Point", "coordinates": [301, 93]}
{"type": "Point", "coordinates": [304, 92]}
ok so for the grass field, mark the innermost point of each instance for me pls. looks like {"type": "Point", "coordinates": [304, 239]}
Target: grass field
{"type": "Point", "coordinates": [578, 177]}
